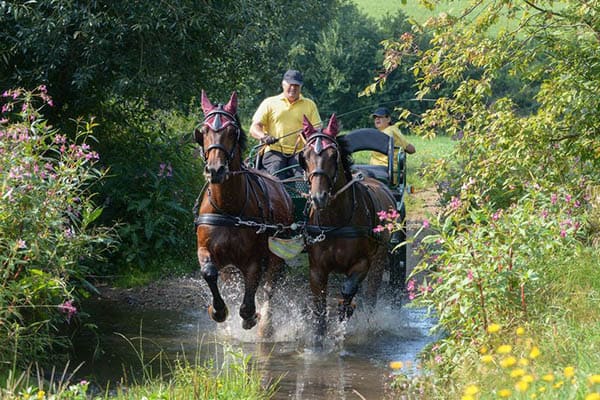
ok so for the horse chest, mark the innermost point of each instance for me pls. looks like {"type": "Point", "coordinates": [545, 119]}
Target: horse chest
{"type": "Point", "coordinates": [230, 245]}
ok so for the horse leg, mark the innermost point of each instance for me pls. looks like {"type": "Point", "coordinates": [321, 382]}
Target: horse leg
{"type": "Point", "coordinates": [218, 310]}
{"type": "Point", "coordinates": [273, 276]}
{"type": "Point", "coordinates": [248, 307]}
{"type": "Point", "coordinates": [318, 287]}
{"type": "Point", "coordinates": [349, 290]}
{"type": "Point", "coordinates": [375, 275]}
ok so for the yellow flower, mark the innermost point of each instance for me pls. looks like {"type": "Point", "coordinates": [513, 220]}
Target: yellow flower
{"type": "Point", "coordinates": [41, 394]}
{"type": "Point", "coordinates": [533, 396]}
{"type": "Point", "coordinates": [508, 362]}
{"type": "Point", "coordinates": [521, 386]}
{"type": "Point", "coordinates": [520, 331]}
{"type": "Point", "coordinates": [527, 378]}
{"type": "Point", "coordinates": [558, 385]}
{"type": "Point", "coordinates": [569, 372]}
{"type": "Point", "coordinates": [593, 379]}
{"type": "Point", "coordinates": [504, 349]}
{"type": "Point", "coordinates": [517, 373]}
{"type": "Point", "coordinates": [487, 359]}
{"type": "Point", "coordinates": [493, 328]}
{"type": "Point", "coordinates": [542, 389]}
{"type": "Point", "coordinates": [593, 396]}
{"type": "Point", "coordinates": [467, 397]}
{"type": "Point", "coordinates": [396, 365]}
{"type": "Point", "coordinates": [523, 362]}
{"type": "Point", "coordinates": [483, 350]}
{"type": "Point", "coordinates": [534, 353]}
{"type": "Point", "coordinates": [471, 390]}
{"type": "Point", "coordinates": [548, 377]}
{"type": "Point", "coordinates": [505, 393]}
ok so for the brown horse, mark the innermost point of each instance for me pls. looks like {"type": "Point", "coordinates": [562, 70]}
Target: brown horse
{"type": "Point", "coordinates": [342, 216]}
{"type": "Point", "coordinates": [237, 211]}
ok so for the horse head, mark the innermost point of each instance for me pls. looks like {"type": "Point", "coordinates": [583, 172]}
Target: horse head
{"type": "Point", "coordinates": [219, 135]}
{"type": "Point", "coordinates": [320, 160]}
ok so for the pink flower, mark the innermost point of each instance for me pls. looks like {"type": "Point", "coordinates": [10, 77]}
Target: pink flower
{"type": "Point", "coordinates": [378, 229]}
{"type": "Point", "coordinates": [470, 275]}
{"type": "Point", "coordinates": [553, 198]}
{"type": "Point", "coordinates": [68, 308]}
{"type": "Point", "coordinates": [425, 224]}
{"type": "Point", "coordinates": [382, 215]}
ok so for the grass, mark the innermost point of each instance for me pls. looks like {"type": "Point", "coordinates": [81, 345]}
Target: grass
{"type": "Point", "coordinates": [234, 377]}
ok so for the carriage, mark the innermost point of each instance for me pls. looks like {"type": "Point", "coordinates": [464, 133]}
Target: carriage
{"type": "Point", "coordinates": [335, 207]}
{"type": "Point", "coordinates": [364, 139]}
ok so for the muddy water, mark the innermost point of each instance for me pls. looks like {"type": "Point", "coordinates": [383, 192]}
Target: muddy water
{"type": "Point", "coordinates": [353, 364]}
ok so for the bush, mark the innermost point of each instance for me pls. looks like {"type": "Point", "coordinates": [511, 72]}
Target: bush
{"type": "Point", "coordinates": [151, 186]}
{"type": "Point", "coordinates": [47, 237]}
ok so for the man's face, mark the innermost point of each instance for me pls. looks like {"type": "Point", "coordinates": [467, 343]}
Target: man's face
{"type": "Point", "coordinates": [291, 91]}
{"type": "Point", "coordinates": [382, 122]}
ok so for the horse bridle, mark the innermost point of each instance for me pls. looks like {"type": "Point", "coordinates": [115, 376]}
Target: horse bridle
{"type": "Point", "coordinates": [214, 121]}
{"type": "Point", "coordinates": [318, 148]}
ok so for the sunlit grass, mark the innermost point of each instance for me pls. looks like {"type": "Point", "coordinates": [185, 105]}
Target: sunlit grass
{"type": "Point", "coordinates": [232, 377]}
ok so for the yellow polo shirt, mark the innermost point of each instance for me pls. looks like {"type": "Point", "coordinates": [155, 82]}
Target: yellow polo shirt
{"type": "Point", "coordinates": [399, 141]}
{"type": "Point", "coordinates": [281, 118]}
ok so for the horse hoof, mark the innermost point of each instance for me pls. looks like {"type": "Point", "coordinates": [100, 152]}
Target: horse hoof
{"type": "Point", "coordinates": [218, 316]}
{"type": "Point", "coordinates": [345, 311]}
{"type": "Point", "coordinates": [250, 322]}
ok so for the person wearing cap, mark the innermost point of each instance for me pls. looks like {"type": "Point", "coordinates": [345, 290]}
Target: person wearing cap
{"type": "Point", "coordinates": [383, 122]}
{"type": "Point", "coordinates": [278, 120]}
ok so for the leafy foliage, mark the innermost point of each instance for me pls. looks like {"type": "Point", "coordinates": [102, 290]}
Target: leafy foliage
{"type": "Point", "coordinates": [47, 234]}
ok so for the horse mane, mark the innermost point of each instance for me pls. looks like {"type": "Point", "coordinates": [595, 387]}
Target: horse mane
{"type": "Point", "coordinates": [346, 156]}
{"type": "Point", "coordinates": [243, 142]}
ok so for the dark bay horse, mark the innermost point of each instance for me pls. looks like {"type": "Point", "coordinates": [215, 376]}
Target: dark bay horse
{"type": "Point", "coordinates": [342, 215]}
{"type": "Point", "coordinates": [238, 209]}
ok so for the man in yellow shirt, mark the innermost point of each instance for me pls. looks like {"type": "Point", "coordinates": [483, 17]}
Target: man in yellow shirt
{"type": "Point", "coordinates": [278, 121]}
{"type": "Point", "coordinates": [383, 122]}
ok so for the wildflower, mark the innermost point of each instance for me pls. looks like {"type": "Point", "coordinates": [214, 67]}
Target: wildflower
{"type": "Point", "coordinates": [522, 386]}
{"type": "Point", "coordinates": [508, 362]}
{"type": "Point", "coordinates": [569, 372]}
{"type": "Point", "coordinates": [467, 397]}
{"type": "Point", "coordinates": [593, 396]}
{"type": "Point", "coordinates": [594, 379]}
{"type": "Point", "coordinates": [493, 328]}
{"type": "Point", "coordinates": [396, 365]}
{"type": "Point", "coordinates": [548, 377]}
{"type": "Point", "coordinates": [471, 390]}
{"type": "Point", "coordinates": [505, 393]}
{"type": "Point", "coordinates": [425, 224]}
{"type": "Point", "coordinates": [527, 378]}
{"type": "Point", "coordinates": [68, 308]}
{"type": "Point", "coordinates": [520, 331]}
{"type": "Point", "coordinates": [517, 373]}
{"type": "Point", "coordinates": [382, 215]}
{"type": "Point", "coordinates": [470, 275]}
{"type": "Point", "coordinates": [483, 350]}
{"type": "Point", "coordinates": [41, 394]}
{"type": "Point", "coordinates": [487, 359]}
{"type": "Point", "coordinates": [558, 385]}
{"type": "Point", "coordinates": [523, 362]}
{"type": "Point", "coordinates": [535, 353]}
{"type": "Point", "coordinates": [504, 349]}
{"type": "Point", "coordinates": [378, 229]}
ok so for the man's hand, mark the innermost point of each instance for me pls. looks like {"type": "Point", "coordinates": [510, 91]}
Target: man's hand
{"type": "Point", "coordinates": [268, 139]}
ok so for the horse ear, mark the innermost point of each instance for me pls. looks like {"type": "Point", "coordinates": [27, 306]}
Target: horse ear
{"type": "Point", "coordinates": [307, 128]}
{"type": "Point", "coordinates": [207, 106]}
{"type": "Point", "coordinates": [333, 127]}
{"type": "Point", "coordinates": [231, 106]}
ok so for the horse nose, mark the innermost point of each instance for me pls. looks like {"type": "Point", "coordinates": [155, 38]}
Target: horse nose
{"type": "Point", "coordinates": [320, 199]}
{"type": "Point", "coordinates": [216, 174]}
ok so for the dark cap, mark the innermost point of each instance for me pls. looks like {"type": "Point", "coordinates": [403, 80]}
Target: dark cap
{"type": "Point", "coordinates": [381, 112]}
{"type": "Point", "coordinates": [293, 77]}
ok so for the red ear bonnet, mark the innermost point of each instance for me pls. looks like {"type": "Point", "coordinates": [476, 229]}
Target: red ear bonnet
{"type": "Point", "coordinates": [332, 128]}
{"type": "Point", "coordinates": [231, 106]}
{"type": "Point", "coordinates": [207, 106]}
{"type": "Point", "coordinates": [307, 128]}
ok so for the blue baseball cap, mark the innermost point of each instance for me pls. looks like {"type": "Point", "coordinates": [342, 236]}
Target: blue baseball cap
{"type": "Point", "coordinates": [293, 77]}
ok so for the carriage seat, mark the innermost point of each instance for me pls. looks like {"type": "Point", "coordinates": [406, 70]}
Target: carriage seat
{"type": "Point", "coordinates": [373, 140]}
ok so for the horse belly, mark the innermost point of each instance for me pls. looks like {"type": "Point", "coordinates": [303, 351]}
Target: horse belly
{"type": "Point", "coordinates": [235, 246]}
{"type": "Point", "coordinates": [343, 255]}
